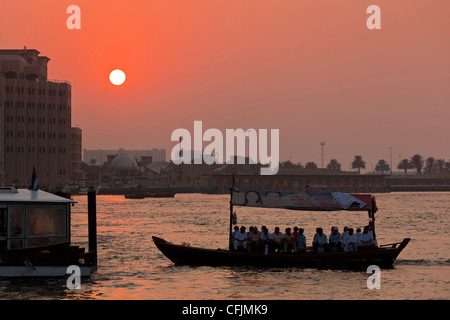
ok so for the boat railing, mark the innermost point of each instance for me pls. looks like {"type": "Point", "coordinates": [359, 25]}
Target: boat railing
{"type": "Point", "coordinates": [392, 245]}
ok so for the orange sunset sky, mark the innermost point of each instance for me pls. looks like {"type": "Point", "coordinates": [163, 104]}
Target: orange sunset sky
{"type": "Point", "coordinates": [310, 68]}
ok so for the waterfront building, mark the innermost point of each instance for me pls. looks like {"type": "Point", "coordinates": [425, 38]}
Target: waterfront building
{"type": "Point", "coordinates": [75, 155]}
{"type": "Point", "coordinates": [100, 156]}
{"type": "Point", "coordinates": [35, 117]}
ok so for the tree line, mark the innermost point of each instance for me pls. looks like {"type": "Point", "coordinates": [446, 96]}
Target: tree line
{"type": "Point", "coordinates": [334, 165]}
{"type": "Point", "coordinates": [417, 162]}
{"type": "Point", "coordinates": [429, 165]}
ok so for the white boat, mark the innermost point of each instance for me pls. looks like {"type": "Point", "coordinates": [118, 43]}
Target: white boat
{"type": "Point", "coordinates": [35, 235]}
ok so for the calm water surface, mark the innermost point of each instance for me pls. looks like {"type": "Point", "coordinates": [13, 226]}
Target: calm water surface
{"type": "Point", "coordinates": [131, 267]}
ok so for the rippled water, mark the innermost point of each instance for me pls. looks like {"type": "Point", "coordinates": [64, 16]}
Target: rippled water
{"type": "Point", "coordinates": [131, 267]}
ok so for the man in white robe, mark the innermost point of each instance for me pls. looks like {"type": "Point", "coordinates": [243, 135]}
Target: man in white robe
{"type": "Point", "coordinates": [240, 240]}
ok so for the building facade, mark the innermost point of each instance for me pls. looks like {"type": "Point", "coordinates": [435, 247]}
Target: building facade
{"type": "Point", "coordinates": [367, 183]}
{"type": "Point", "coordinates": [76, 171]}
{"type": "Point", "coordinates": [218, 179]}
{"type": "Point", "coordinates": [35, 117]}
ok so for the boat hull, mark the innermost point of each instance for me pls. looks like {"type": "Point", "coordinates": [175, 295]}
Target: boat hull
{"type": "Point", "coordinates": [160, 195]}
{"type": "Point", "coordinates": [185, 255]}
{"type": "Point", "coordinates": [41, 271]}
{"type": "Point", "coordinates": [48, 261]}
{"type": "Point", "coordinates": [134, 196]}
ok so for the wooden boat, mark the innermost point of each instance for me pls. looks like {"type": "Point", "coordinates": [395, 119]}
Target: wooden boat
{"type": "Point", "coordinates": [382, 256]}
{"type": "Point", "coordinates": [35, 236]}
{"type": "Point", "coordinates": [163, 194]}
{"type": "Point", "coordinates": [134, 196]}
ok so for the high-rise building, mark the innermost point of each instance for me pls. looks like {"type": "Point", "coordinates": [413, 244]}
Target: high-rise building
{"type": "Point", "coordinates": [76, 171]}
{"type": "Point", "coordinates": [35, 118]}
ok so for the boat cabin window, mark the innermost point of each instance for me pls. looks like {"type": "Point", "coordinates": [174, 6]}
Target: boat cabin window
{"type": "Point", "coordinates": [16, 227]}
{"type": "Point", "coordinates": [3, 215]}
{"type": "Point", "coordinates": [46, 225]}
{"type": "Point", "coordinates": [36, 226]}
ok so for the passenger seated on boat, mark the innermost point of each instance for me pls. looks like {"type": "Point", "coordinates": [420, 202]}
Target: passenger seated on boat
{"type": "Point", "coordinates": [233, 235]}
{"type": "Point", "coordinates": [319, 241]}
{"type": "Point", "coordinates": [277, 240]}
{"type": "Point", "coordinates": [266, 241]}
{"type": "Point", "coordinates": [366, 239]}
{"type": "Point", "coordinates": [295, 233]}
{"type": "Point", "coordinates": [301, 241]}
{"type": "Point", "coordinates": [289, 244]}
{"type": "Point", "coordinates": [240, 241]}
{"type": "Point", "coordinates": [250, 229]}
{"type": "Point", "coordinates": [371, 234]}
{"type": "Point", "coordinates": [358, 238]}
{"type": "Point", "coordinates": [334, 241]}
{"type": "Point", "coordinates": [254, 241]}
{"type": "Point", "coordinates": [344, 234]}
{"type": "Point", "coordinates": [350, 241]}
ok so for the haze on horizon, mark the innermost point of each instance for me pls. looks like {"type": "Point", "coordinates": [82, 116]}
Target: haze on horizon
{"type": "Point", "coordinates": [310, 69]}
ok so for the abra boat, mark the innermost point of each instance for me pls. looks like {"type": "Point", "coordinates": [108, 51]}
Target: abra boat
{"type": "Point", "coordinates": [382, 255]}
{"type": "Point", "coordinates": [134, 196]}
{"type": "Point", "coordinates": [35, 236]}
{"type": "Point", "coordinates": [162, 194]}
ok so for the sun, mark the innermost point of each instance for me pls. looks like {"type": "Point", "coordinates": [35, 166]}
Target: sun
{"type": "Point", "coordinates": [117, 77]}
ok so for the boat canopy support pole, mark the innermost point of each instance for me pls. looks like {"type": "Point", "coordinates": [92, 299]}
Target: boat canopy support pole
{"type": "Point", "coordinates": [372, 221]}
{"type": "Point", "coordinates": [230, 244]}
{"type": "Point", "coordinates": [92, 221]}
{"type": "Point", "coordinates": [372, 213]}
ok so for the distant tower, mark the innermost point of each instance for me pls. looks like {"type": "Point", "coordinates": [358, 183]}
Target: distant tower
{"type": "Point", "coordinates": [390, 159]}
{"type": "Point", "coordinates": [322, 144]}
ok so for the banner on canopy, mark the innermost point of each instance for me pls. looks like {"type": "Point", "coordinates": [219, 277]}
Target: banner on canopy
{"type": "Point", "coordinates": [302, 200]}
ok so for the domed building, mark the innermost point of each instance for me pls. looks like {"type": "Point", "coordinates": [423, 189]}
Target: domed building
{"type": "Point", "coordinates": [124, 162]}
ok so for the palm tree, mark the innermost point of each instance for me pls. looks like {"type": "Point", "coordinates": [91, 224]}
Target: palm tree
{"type": "Point", "coordinates": [290, 164]}
{"type": "Point", "coordinates": [405, 164]}
{"type": "Point", "coordinates": [334, 165]}
{"type": "Point", "coordinates": [358, 163]}
{"type": "Point", "coordinates": [440, 165]}
{"type": "Point", "coordinates": [382, 166]}
{"type": "Point", "coordinates": [417, 161]}
{"type": "Point", "coordinates": [430, 165]}
{"type": "Point", "coordinates": [447, 166]}
{"type": "Point", "coordinates": [311, 165]}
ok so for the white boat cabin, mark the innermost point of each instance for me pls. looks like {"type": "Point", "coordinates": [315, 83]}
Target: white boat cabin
{"type": "Point", "coordinates": [32, 219]}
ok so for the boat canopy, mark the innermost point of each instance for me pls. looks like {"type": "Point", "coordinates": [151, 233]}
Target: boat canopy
{"type": "Point", "coordinates": [304, 201]}
{"type": "Point", "coordinates": [25, 195]}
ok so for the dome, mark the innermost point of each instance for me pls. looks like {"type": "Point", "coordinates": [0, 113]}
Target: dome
{"type": "Point", "coordinates": [124, 162]}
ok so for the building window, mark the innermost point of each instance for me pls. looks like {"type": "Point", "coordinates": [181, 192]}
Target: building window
{"type": "Point", "coordinates": [10, 75]}
{"type": "Point", "coordinates": [16, 227]}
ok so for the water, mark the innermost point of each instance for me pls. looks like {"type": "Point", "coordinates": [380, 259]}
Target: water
{"type": "Point", "coordinates": [131, 267]}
